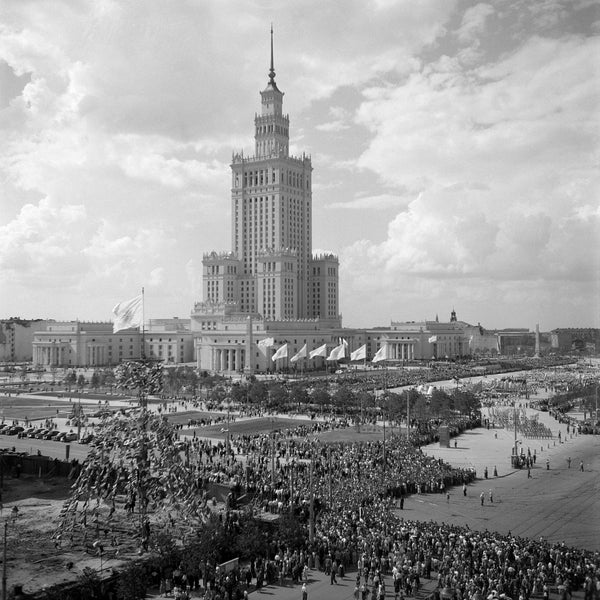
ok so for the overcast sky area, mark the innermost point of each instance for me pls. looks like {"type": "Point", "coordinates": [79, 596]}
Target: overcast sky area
{"type": "Point", "coordinates": [455, 148]}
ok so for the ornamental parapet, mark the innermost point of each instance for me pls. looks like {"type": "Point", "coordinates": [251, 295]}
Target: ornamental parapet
{"type": "Point", "coordinates": [326, 256]}
{"type": "Point", "coordinates": [224, 255]}
{"type": "Point", "coordinates": [208, 307]}
{"type": "Point", "coordinates": [239, 158]}
{"type": "Point", "coordinates": [275, 252]}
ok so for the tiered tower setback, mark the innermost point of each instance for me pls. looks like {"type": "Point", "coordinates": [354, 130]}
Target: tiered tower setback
{"type": "Point", "coordinates": [270, 270]}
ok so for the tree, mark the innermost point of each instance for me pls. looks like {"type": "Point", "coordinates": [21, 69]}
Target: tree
{"type": "Point", "coordinates": [90, 582]}
{"type": "Point", "coordinates": [70, 379]}
{"type": "Point", "coordinates": [438, 405]}
{"type": "Point", "coordinates": [343, 397]}
{"type": "Point", "coordinates": [81, 381]}
{"type": "Point", "coordinates": [320, 396]}
{"type": "Point", "coordinates": [257, 394]}
{"type": "Point", "coordinates": [238, 393]}
{"type": "Point", "coordinates": [132, 583]}
{"type": "Point", "coordinates": [466, 402]}
{"type": "Point", "coordinates": [95, 380]}
{"type": "Point", "coordinates": [299, 395]}
{"type": "Point", "coordinates": [278, 395]}
{"type": "Point", "coordinates": [134, 458]}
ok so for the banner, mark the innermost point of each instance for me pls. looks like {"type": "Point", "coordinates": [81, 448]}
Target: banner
{"type": "Point", "coordinates": [128, 313]}
{"type": "Point", "coordinates": [320, 351]}
{"type": "Point", "coordinates": [360, 353]}
{"type": "Point", "coordinates": [281, 353]}
{"type": "Point", "coordinates": [337, 353]}
{"type": "Point", "coordinates": [300, 354]}
{"type": "Point", "coordinates": [381, 354]}
{"type": "Point", "coordinates": [266, 343]}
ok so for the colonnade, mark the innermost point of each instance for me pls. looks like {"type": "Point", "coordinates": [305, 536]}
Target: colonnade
{"type": "Point", "coordinates": [228, 359]}
{"type": "Point", "coordinates": [50, 354]}
{"type": "Point", "coordinates": [399, 350]}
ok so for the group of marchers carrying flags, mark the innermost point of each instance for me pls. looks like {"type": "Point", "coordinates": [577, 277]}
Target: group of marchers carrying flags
{"type": "Point", "coordinates": [337, 353]}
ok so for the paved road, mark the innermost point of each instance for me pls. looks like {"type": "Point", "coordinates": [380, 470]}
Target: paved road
{"type": "Point", "coordinates": [560, 504]}
{"type": "Point", "coordinates": [46, 447]}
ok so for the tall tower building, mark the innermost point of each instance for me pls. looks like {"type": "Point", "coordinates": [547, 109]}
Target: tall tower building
{"type": "Point", "coordinates": [270, 270]}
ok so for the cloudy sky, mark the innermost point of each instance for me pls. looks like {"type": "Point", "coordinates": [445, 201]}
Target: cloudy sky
{"type": "Point", "coordinates": [455, 148]}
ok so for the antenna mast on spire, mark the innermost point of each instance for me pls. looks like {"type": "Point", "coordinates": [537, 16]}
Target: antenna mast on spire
{"type": "Point", "coordinates": [272, 69]}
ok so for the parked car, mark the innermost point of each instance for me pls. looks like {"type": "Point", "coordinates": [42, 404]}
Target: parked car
{"type": "Point", "coordinates": [35, 432]}
{"type": "Point", "coordinates": [50, 434]}
{"type": "Point", "coordinates": [15, 430]}
{"type": "Point", "coordinates": [26, 433]}
{"type": "Point", "coordinates": [4, 427]}
{"type": "Point", "coordinates": [69, 437]}
{"type": "Point", "coordinates": [41, 434]}
{"type": "Point", "coordinates": [53, 435]}
{"type": "Point", "coordinates": [87, 438]}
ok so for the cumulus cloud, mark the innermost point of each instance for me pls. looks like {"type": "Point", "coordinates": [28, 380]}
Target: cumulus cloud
{"type": "Point", "coordinates": [475, 127]}
{"type": "Point", "coordinates": [379, 202]}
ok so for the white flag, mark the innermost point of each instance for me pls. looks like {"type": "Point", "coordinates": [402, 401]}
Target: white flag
{"type": "Point", "coordinates": [266, 343]}
{"type": "Point", "coordinates": [433, 339]}
{"type": "Point", "coordinates": [300, 354]}
{"type": "Point", "coordinates": [337, 353]}
{"type": "Point", "coordinates": [360, 353]}
{"type": "Point", "coordinates": [320, 351]}
{"type": "Point", "coordinates": [381, 354]}
{"type": "Point", "coordinates": [128, 314]}
{"type": "Point", "coordinates": [281, 353]}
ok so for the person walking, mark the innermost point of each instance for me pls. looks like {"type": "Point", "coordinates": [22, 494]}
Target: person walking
{"type": "Point", "coordinates": [304, 592]}
{"type": "Point", "coordinates": [547, 464]}
{"type": "Point", "coordinates": [464, 489]}
{"type": "Point", "coordinates": [332, 578]}
{"type": "Point", "coordinates": [491, 497]}
{"type": "Point", "coordinates": [581, 466]}
{"type": "Point", "coordinates": [482, 498]}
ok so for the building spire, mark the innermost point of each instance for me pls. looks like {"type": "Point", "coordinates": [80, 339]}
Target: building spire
{"type": "Point", "coordinates": [272, 69]}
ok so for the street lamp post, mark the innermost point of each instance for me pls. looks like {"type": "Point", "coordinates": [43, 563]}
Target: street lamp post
{"type": "Point", "coordinates": [4, 562]}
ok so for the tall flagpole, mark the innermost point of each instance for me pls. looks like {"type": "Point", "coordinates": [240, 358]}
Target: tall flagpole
{"type": "Point", "coordinates": [143, 328]}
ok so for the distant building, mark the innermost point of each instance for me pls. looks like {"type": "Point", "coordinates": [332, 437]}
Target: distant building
{"type": "Point", "coordinates": [269, 284]}
{"type": "Point", "coordinates": [169, 340]}
{"type": "Point", "coordinates": [567, 340]}
{"type": "Point", "coordinates": [82, 344]}
{"type": "Point", "coordinates": [270, 270]}
{"type": "Point", "coordinates": [16, 338]}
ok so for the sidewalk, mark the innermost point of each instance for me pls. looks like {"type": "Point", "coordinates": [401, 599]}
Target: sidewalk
{"type": "Point", "coordinates": [492, 448]}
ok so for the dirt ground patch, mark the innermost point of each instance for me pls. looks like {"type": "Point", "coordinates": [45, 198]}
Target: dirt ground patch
{"type": "Point", "coordinates": [33, 559]}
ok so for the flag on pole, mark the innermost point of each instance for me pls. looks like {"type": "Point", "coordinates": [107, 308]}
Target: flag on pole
{"type": "Point", "coordinates": [300, 354]}
{"type": "Point", "coordinates": [266, 343]}
{"type": "Point", "coordinates": [128, 313]}
{"type": "Point", "coordinates": [337, 353]}
{"type": "Point", "coordinates": [433, 339]}
{"type": "Point", "coordinates": [320, 351]}
{"type": "Point", "coordinates": [381, 354]}
{"type": "Point", "coordinates": [281, 353]}
{"type": "Point", "coordinates": [360, 353]}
